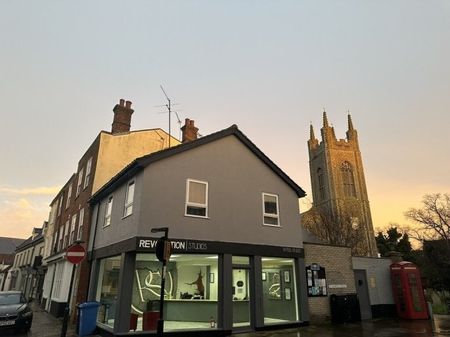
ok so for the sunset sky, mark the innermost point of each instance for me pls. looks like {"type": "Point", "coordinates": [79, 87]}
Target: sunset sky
{"type": "Point", "coordinates": [268, 66]}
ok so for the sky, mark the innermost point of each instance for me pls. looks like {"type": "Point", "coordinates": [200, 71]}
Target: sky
{"type": "Point", "coordinates": [270, 67]}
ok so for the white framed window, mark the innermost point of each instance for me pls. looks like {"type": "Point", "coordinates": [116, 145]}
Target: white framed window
{"type": "Point", "coordinates": [80, 181]}
{"type": "Point", "coordinates": [129, 199]}
{"type": "Point", "coordinates": [60, 238]}
{"type": "Point", "coordinates": [108, 211]}
{"type": "Point", "coordinates": [72, 229]}
{"type": "Point", "coordinates": [88, 173]}
{"type": "Point", "coordinates": [80, 224]}
{"type": "Point", "coordinates": [69, 195]}
{"type": "Point", "coordinates": [66, 233]}
{"type": "Point", "coordinates": [270, 210]}
{"type": "Point", "coordinates": [196, 198]}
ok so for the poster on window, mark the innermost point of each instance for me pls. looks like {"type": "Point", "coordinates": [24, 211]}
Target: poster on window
{"type": "Point", "coordinates": [316, 281]}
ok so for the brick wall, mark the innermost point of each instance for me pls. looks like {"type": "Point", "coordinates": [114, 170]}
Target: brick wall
{"type": "Point", "coordinates": [337, 262]}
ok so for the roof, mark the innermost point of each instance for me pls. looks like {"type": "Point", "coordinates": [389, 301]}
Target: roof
{"type": "Point", "coordinates": [142, 162]}
{"type": "Point", "coordinates": [9, 245]}
{"type": "Point", "coordinates": [30, 242]}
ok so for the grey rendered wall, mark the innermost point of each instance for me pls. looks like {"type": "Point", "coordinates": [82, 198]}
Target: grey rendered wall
{"type": "Point", "coordinates": [378, 278]}
{"type": "Point", "coordinates": [121, 228]}
{"type": "Point", "coordinates": [237, 179]}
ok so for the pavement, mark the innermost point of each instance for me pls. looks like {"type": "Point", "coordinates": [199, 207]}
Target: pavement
{"type": "Point", "coordinates": [45, 325]}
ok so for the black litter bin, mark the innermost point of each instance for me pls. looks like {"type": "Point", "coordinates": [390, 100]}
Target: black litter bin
{"type": "Point", "coordinates": [344, 308]}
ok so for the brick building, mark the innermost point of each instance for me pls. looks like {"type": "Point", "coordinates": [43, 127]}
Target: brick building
{"type": "Point", "coordinates": [70, 217]}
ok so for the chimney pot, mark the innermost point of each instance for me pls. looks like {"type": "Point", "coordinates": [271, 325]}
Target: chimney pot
{"type": "Point", "coordinates": [122, 117]}
{"type": "Point", "coordinates": [189, 131]}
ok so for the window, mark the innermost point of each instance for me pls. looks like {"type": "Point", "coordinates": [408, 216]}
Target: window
{"type": "Point", "coordinates": [196, 198]}
{"type": "Point", "coordinates": [108, 211]}
{"type": "Point", "coordinates": [60, 238]}
{"type": "Point", "coordinates": [270, 209]}
{"type": "Point", "coordinates": [80, 181]}
{"type": "Point", "coordinates": [72, 229]}
{"type": "Point", "coordinates": [69, 194]}
{"type": "Point", "coordinates": [321, 183]}
{"type": "Point", "coordinates": [190, 278]}
{"type": "Point", "coordinates": [108, 289]}
{"type": "Point", "coordinates": [66, 233]}
{"type": "Point", "coordinates": [80, 224]}
{"type": "Point", "coordinates": [88, 173]}
{"type": "Point", "coordinates": [60, 205]}
{"type": "Point", "coordinates": [129, 199]}
{"type": "Point", "coordinates": [279, 290]}
{"type": "Point", "coordinates": [348, 180]}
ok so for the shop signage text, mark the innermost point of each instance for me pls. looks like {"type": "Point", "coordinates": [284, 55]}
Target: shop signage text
{"type": "Point", "coordinates": [177, 245]}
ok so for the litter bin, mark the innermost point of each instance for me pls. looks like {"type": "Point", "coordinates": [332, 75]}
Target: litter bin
{"type": "Point", "coordinates": [87, 318]}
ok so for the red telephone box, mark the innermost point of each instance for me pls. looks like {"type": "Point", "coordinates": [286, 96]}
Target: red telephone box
{"type": "Point", "coordinates": [408, 292]}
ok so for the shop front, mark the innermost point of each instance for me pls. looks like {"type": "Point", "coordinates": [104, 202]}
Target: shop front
{"type": "Point", "coordinates": [212, 288]}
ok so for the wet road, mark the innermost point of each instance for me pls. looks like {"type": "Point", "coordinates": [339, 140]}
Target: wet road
{"type": "Point", "coordinates": [45, 325]}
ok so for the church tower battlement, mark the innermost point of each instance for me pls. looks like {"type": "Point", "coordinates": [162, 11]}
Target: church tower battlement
{"type": "Point", "coordinates": [337, 178]}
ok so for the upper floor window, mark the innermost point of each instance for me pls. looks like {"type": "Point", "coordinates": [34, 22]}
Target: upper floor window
{"type": "Point", "coordinates": [69, 195]}
{"type": "Point", "coordinates": [348, 180]}
{"type": "Point", "coordinates": [66, 234]}
{"type": "Point", "coordinates": [196, 198]}
{"type": "Point", "coordinates": [109, 204]}
{"type": "Point", "coordinates": [88, 173]}
{"type": "Point", "coordinates": [60, 204]}
{"type": "Point", "coordinates": [321, 183]}
{"type": "Point", "coordinates": [72, 229]}
{"type": "Point", "coordinates": [129, 199]}
{"type": "Point", "coordinates": [80, 181]}
{"type": "Point", "coordinates": [80, 224]}
{"type": "Point", "coordinates": [270, 209]}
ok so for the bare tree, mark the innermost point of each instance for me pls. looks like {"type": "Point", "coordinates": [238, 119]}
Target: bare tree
{"type": "Point", "coordinates": [433, 218]}
{"type": "Point", "coordinates": [339, 227]}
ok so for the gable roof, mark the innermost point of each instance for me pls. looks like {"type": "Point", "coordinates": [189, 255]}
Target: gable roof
{"type": "Point", "coordinates": [142, 162]}
{"type": "Point", "coordinates": [9, 245]}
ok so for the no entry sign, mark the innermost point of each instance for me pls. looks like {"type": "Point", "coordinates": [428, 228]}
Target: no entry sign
{"type": "Point", "coordinates": [75, 253]}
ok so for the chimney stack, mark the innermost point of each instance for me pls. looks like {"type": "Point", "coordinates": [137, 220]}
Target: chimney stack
{"type": "Point", "coordinates": [189, 131]}
{"type": "Point", "coordinates": [122, 117]}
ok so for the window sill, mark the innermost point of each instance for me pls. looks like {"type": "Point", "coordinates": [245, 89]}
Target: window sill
{"type": "Point", "coordinates": [197, 216]}
{"type": "Point", "coordinates": [127, 216]}
{"type": "Point", "coordinates": [267, 225]}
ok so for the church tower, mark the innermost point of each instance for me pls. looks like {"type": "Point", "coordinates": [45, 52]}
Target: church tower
{"type": "Point", "coordinates": [338, 183]}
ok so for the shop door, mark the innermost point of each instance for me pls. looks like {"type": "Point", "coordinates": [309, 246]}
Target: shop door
{"type": "Point", "coordinates": [363, 294]}
{"type": "Point", "coordinates": [241, 298]}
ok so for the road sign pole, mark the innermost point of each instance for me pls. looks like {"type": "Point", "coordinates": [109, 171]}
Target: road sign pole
{"type": "Point", "coordinates": [67, 308]}
{"type": "Point", "coordinates": [74, 254]}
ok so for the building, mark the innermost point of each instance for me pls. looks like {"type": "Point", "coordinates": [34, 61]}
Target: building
{"type": "Point", "coordinates": [237, 258]}
{"type": "Point", "coordinates": [25, 274]}
{"type": "Point", "coordinates": [341, 210]}
{"type": "Point", "coordinates": [7, 248]}
{"type": "Point", "coordinates": [69, 218]}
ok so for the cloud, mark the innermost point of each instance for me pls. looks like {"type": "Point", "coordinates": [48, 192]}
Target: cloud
{"type": "Point", "coordinates": [52, 190]}
{"type": "Point", "coordinates": [19, 216]}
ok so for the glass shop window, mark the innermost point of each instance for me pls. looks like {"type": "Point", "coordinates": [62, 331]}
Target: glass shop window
{"type": "Point", "coordinates": [107, 289]}
{"type": "Point", "coordinates": [279, 290]}
{"type": "Point", "coordinates": [190, 291]}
